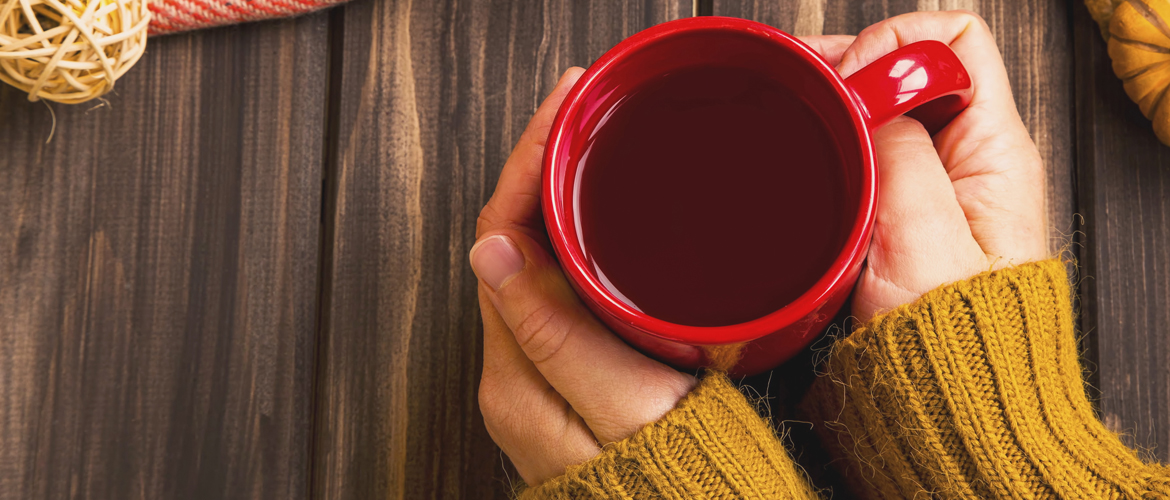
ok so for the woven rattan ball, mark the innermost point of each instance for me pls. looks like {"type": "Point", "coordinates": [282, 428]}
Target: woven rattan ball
{"type": "Point", "coordinates": [70, 51]}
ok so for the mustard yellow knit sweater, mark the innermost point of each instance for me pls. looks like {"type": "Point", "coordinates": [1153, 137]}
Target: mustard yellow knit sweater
{"type": "Point", "coordinates": [973, 391]}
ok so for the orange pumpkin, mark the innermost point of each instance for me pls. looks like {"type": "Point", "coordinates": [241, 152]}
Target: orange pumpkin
{"type": "Point", "coordinates": [1102, 12]}
{"type": "Point", "coordinates": [1139, 44]}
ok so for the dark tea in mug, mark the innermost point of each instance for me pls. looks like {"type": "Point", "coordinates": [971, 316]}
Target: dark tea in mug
{"type": "Point", "coordinates": [711, 196]}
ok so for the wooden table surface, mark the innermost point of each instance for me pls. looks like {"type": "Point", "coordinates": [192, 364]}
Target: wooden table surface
{"type": "Point", "coordinates": [245, 275]}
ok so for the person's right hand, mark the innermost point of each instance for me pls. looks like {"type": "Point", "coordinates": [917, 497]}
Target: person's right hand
{"type": "Point", "coordinates": [970, 200]}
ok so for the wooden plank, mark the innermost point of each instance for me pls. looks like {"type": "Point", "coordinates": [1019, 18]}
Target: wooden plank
{"type": "Point", "coordinates": [158, 274]}
{"type": "Point", "coordinates": [1123, 179]}
{"type": "Point", "coordinates": [431, 98]}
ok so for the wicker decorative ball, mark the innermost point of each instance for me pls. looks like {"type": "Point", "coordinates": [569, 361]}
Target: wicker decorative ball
{"type": "Point", "coordinates": [70, 51]}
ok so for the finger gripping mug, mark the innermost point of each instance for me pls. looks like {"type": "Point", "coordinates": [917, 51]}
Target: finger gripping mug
{"type": "Point", "coordinates": [925, 80]}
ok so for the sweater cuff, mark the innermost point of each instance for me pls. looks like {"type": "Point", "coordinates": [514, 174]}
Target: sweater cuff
{"type": "Point", "coordinates": [712, 445]}
{"type": "Point", "coordinates": [975, 390]}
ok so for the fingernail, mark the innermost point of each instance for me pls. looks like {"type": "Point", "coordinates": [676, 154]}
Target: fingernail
{"type": "Point", "coordinates": [496, 260]}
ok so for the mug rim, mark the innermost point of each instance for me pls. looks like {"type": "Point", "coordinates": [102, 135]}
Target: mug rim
{"type": "Point", "coordinates": [571, 256]}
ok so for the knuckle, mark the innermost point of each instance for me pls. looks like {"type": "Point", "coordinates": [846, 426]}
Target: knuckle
{"type": "Point", "coordinates": [966, 14]}
{"type": "Point", "coordinates": [542, 332]}
{"type": "Point", "coordinates": [679, 385]}
{"type": "Point", "coordinates": [972, 18]}
{"type": "Point", "coordinates": [491, 405]}
{"type": "Point", "coordinates": [514, 416]}
{"type": "Point", "coordinates": [488, 219]}
{"type": "Point", "coordinates": [668, 386]}
{"type": "Point", "coordinates": [501, 409]}
{"type": "Point", "coordinates": [873, 28]}
{"type": "Point", "coordinates": [881, 34]}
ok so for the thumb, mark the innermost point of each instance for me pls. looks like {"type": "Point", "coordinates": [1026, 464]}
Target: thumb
{"type": "Point", "coordinates": [615, 389]}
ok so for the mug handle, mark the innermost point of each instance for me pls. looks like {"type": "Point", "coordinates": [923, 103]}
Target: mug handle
{"type": "Point", "coordinates": [924, 80]}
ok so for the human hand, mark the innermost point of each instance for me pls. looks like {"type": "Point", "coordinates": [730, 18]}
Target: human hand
{"type": "Point", "coordinates": [970, 200]}
{"type": "Point", "coordinates": [557, 384]}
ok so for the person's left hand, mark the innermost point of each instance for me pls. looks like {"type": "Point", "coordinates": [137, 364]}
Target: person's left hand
{"type": "Point", "coordinates": [557, 384]}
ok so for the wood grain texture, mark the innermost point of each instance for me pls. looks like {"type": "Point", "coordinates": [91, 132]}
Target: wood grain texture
{"type": "Point", "coordinates": [1123, 180]}
{"type": "Point", "coordinates": [1034, 39]}
{"type": "Point", "coordinates": [159, 262]}
{"type": "Point", "coordinates": [432, 96]}
{"type": "Point", "coordinates": [158, 274]}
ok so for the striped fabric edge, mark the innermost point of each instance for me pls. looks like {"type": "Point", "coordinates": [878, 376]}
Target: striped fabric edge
{"type": "Point", "coordinates": [173, 16]}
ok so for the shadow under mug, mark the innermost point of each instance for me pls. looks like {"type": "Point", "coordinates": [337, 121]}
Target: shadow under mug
{"type": "Point", "coordinates": [925, 80]}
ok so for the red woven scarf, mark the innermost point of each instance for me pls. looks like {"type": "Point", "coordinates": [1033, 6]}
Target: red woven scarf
{"type": "Point", "coordinates": [170, 16]}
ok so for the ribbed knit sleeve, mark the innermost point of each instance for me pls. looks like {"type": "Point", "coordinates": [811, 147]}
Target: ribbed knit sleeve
{"type": "Point", "coordinates": [712, 445]}
{"type": "Point", "coordinates": [974, 391]}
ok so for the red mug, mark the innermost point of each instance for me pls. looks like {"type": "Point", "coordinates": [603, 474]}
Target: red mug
{"type": "Point", "coordinates": [925, 80]}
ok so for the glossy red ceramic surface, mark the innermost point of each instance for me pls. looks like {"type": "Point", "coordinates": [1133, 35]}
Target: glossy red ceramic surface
{"type": "Point", "coordinates": [916, 74]}
{"type": "Point", "coordinates": [683, 174]}
{"type": "Point", "coordinates": [924, 80]}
